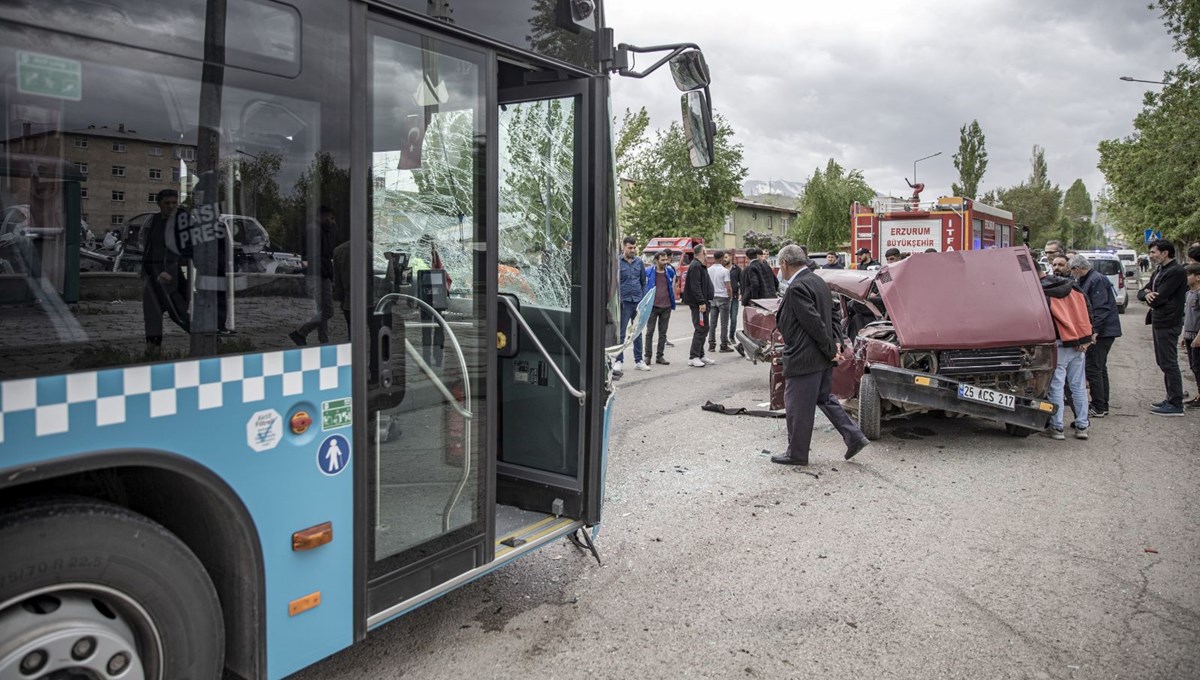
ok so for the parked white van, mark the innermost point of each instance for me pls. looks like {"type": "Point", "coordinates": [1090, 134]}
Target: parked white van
{"type": "Point", "coordinates": [1129, 263]}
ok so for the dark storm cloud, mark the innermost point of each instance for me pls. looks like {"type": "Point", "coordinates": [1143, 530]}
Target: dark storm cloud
{"type": "Point", "coordinates": [876, 88]}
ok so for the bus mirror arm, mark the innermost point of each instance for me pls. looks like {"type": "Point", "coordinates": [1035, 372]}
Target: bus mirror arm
{"type": "Point", "coordinates": [622, 61]}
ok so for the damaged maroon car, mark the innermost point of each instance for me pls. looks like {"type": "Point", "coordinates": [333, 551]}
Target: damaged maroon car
{"type": "Point", "coordinates": [966, 332]}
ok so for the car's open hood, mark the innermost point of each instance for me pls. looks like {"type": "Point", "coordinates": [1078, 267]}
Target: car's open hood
{"type": "Point", "coordinates": [972, 299]}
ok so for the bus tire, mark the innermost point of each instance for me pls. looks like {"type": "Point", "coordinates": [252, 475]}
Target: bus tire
{"type": "Point", "coordinates": [90, 586]}
{"type": "Point", "coordinates": [868, 407]}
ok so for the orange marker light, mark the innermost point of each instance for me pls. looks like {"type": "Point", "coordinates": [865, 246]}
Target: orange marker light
{"type": "Point", "coordinates": [301, 421]}
{"type": "Point", "coordinates": [303, 604]}
{"type": "Point", "coordinates": [312, 537]}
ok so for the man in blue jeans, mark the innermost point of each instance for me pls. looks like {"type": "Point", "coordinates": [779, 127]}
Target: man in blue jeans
{"type": "Point", "coordinates": [633, 283]}
{"type": "Point", "coordinates": [1073, 325]}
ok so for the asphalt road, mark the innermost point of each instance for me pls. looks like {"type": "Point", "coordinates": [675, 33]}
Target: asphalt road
{"type": "Point", "coordinates": [946, 549]}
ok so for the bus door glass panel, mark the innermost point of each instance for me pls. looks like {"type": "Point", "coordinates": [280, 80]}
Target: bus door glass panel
{"type": "Point", "coordinates": [540, 226]}
{"type": "Point", "coordinates": [427, 317]}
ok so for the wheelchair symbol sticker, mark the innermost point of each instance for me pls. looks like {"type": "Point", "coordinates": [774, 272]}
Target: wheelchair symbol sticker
{"type": "Point", "coordinates": [333, 455]}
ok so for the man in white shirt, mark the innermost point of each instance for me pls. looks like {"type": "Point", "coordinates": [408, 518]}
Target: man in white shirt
{"type": "Point", "coordinates": [722, 294]}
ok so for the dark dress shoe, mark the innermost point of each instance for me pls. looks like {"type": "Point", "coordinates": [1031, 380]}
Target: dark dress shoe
{"type": "Point", "coordinates": [662, 361]}
{"type": "Point", "coordinates": [853, 449]}
{"type": "Point", "coordinates": [788, 460]}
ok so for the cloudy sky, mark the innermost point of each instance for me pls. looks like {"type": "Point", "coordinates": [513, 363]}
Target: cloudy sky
{"type": "Point", "coordinates": [877, 84]}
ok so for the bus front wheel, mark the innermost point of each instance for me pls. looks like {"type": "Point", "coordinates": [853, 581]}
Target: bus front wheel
{"type": "Point", "coordinates": [90, 589]}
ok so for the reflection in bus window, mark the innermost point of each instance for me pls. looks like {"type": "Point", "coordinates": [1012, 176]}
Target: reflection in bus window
{"type": "Point", "coordinates": [233, 263]}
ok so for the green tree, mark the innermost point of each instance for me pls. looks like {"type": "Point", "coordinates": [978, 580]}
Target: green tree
{"type": "Point", "coordinates": [1078, 227]}
{"type": "Point", "coordinates": [765, 239]}
{"type": "Point", "coordinates": [1182, 18]}
{"type": "Point", "coordinates": [323, 182]}
{"type": "Point", "coordinates": [631, 138]}
{"type": "Point", "coordinates": [824, 219]}
{"type": "Point", "coordinates": [1154, 174]}
{"type": "Point", "coordinates": [1035, 203]}
{"type": "Point", "coordinates": [971, 160]}
{"type": "Point", "coordinates": [668, 197]}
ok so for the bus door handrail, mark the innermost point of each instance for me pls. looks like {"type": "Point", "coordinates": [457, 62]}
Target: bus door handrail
{"type": "Point", "coordinates": [441, 387]}
{"type": "Point", "coordinates": [577, 393]}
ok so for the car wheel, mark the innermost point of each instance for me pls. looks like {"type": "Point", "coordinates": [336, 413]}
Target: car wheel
{"type": "Point", "coordinates": [1121, 308]}
{"type": "Point", "coordinates": [1017, 430]}
{"type": "Point", "coordinates": [868, 407]}
{"type": "Point", "coordinates": [98, 591]}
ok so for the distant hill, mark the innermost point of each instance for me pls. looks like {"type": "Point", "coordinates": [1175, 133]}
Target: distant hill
{"type": "Point", "coordinates": [758, 187]}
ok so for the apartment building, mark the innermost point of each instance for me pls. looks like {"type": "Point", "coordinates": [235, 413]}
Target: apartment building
{"type": "Point", "coordinates": [123, 170]}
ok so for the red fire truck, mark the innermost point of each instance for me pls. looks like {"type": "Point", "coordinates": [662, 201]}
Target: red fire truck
{"type": "Point", "coordinates": [949, 223]}
{"type": "Point", "coordinates": [680, 248]}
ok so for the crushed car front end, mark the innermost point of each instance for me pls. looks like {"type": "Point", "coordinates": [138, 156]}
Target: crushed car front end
{"type": "Point", "coordinates": [1005, 384]}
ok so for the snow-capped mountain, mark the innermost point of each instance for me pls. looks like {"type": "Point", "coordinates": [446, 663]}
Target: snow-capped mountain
{"type": "Point", "coordinates": [783, 187]}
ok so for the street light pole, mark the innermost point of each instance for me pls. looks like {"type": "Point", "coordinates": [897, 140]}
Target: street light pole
{"type": "Point", "coordinates": [1131, 79]}
{"type": "Point", "coordinates": [922, 159]}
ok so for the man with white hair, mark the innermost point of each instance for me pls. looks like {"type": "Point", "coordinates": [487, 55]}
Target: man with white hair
{"type": "Point", "coordinates": [811, 350]}
{"type": "Point", "coordinates": [1106, 328]}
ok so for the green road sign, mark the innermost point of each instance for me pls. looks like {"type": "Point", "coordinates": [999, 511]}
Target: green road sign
{"type": "Point", "coordinates": [49, 76]}
{"type": "Point", "coordinates": [335, 414]}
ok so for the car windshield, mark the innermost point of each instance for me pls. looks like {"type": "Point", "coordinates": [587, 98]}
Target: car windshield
{"type": "Point", "coordinates": [247, 231]}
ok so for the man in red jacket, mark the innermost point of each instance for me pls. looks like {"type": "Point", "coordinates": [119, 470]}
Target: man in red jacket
{"type": "Point", "coordinates": [1072, 322]}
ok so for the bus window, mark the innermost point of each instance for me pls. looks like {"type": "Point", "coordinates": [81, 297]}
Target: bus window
{"type": "Point", "coordinates": [170, 283]}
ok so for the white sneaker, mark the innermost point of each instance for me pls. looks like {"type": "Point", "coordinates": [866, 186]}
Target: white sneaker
{"type": "Point", "coordinates": [618, 366]}
{"type": "Point", "coordinates": [706, 360]}
{"type": "Point", "coordinates": [641, 366]}
{"type": "Point", "coordinates": [698, 363]}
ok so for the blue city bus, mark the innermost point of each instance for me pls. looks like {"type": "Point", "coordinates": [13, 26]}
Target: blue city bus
{"type": "Point", "coordinates": [214, 464]}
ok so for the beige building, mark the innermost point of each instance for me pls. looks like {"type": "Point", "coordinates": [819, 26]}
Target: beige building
{"type": "Point", "coordinates": [123, 171]}
{"type": "Point", "coordinates": [757, 216]}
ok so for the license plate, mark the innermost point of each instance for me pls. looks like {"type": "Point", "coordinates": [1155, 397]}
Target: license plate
{"type": "Point", "coordinates": [986, 396]}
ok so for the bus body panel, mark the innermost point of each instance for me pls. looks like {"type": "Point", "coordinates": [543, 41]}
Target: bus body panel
{"type": "Point", "coordinates": [210, 411]}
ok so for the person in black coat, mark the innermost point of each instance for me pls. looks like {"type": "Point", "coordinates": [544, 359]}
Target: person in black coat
{"type": "Point", "coordinates": [697, 295]}
{"type": "Point", "coordinates": [758, 281]}
{"type": "Point", "coordinates": [811, 349]}
{"type": "Point", "coordinates": [1165, 294]}
{"type": "Point", "coordinates": [164, 286]}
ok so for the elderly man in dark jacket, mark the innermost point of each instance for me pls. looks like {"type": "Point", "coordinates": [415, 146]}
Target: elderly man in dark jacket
{"type": "Point", "coordinates": [1106, 328]}
{"type": "Point", "coordinates": [811, 349]}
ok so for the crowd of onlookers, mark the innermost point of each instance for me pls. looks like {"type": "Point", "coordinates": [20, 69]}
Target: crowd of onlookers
{"type": "Point", "coordinates": [1081, 300]}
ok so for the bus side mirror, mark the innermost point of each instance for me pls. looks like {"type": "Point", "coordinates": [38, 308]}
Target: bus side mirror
{"type": "Point", "coordinates": [698, 128]}
{"type": "Point", "coordinates": [690, 71]}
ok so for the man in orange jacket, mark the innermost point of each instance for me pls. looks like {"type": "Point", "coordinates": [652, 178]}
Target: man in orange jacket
{"type": "Point", "coordinates": [1073, 323]}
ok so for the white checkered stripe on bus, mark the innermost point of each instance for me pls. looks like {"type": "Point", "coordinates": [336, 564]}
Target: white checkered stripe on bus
{"type": "Point", "coordinates": [115, 396]}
